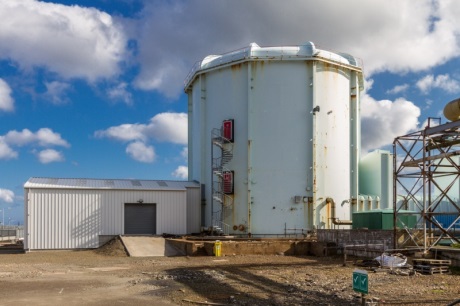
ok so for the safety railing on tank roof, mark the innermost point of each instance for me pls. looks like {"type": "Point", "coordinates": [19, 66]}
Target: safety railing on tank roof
{"type": "Point", "coordinates": [247, 52]}
{"type": "Point", "coordinates": [198, 64]}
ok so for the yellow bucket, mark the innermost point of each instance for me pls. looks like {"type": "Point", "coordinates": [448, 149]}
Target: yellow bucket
{"type": "Point", "coordinates": [218, 248]}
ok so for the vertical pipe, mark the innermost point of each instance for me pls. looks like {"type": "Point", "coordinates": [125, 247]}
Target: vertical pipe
{"type": "Point", "coordinates": [211, 185]}
{"type": "Point", "coordinates": [190, 142]}
{"type": "Point", "coordinates": [250, 112]}
{"type": "Point", "coordinates": [394, 196]}
{"type": "Point", "coordinates": [313, 143]}
{"type": "Point", "coordinates": [354, 135]}
{"type": "Point", "coordinates": [424, 194]}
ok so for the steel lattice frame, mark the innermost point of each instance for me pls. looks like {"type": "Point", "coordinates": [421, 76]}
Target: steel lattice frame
{"type": "Point", "coordinates": [421, 161]}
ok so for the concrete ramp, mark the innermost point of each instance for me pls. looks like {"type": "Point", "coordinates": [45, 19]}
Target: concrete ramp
{"type": "Point", "coordinates": [146, 246]}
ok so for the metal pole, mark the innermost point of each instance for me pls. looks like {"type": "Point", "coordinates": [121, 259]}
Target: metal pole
{"type": "Point", "coordinates": [363, 299]}
{"type": "Point", "coordinates": [395, 196]}
{"type": "Point", "coordinates": [211, 185]}
{"type": "Point", "coordinates": [424, 193]}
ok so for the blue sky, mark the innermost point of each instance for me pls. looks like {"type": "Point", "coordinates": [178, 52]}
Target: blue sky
{"type": "Point", "coordinates": [95, 88]}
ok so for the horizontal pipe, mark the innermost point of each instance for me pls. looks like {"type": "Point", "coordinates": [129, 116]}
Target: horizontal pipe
{"type": "Point", "coordinates": [337, 221]}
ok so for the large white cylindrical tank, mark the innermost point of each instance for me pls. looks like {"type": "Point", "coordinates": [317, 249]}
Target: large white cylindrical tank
{"type": "Point", "coordinates": [296, 131]}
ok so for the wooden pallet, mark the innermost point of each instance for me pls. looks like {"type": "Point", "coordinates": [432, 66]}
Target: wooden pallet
{"type": "Point", "coordinates": [428, 269]}
{"type": "Point", "coordinates": [431, 262]}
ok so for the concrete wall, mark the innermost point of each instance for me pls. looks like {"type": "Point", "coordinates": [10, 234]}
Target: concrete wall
{"type": "Point", "coordinates": [357, 237]}
{"type": "Point", "coordinates": [254, 247]}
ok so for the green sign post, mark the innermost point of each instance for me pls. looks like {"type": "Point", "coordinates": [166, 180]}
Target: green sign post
{"type": "Point", "coordinates": [360, 281]}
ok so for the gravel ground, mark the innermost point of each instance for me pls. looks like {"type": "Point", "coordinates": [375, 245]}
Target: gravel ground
{"type": "Point", "coordinates": [108, 277]}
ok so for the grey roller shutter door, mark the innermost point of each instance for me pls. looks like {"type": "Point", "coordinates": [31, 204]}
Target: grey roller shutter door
{"type": "Point", "coordinates": [140, 219]}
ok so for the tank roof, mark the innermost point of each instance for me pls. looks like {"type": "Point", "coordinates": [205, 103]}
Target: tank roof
{"type": "Point", "coordinates": [255, 52]}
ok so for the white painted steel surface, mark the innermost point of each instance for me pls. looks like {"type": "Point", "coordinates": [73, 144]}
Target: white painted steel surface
{"type": "Point", "coordinates": [283, 147]}
{"type": "Point", "coordinates": [69, 218]}
{"type": "Point", "coordinates": [376, 176]}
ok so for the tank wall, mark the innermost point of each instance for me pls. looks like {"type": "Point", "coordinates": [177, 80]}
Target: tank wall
{"type": "Point", "coordinates": [218, 95]}
{"type": "Point", "coordinates": [376, 176]}
{"type": "Point", "coordinates": [195, 135]}
{"type": "Point", "coordinates": [283, 150]}
{"type": "Point", "coordinates": [227, 96]}
{"type": "Point", "coordinates": [332, 142]}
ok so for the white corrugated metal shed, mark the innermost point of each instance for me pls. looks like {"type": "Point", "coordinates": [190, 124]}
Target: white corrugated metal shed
{"type": "Point", "coordinates": [65, 213]}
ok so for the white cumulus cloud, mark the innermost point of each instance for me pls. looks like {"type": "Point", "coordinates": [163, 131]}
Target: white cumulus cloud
{"type": "Point", "coordinates": [6, 195]}
{"type": "Point", "coordinates": [71, 41]}
{"type": "Point", "coordinates": [382, 121]}
{"type": "Point", "coordinates": [181, 172]}
{"type": "Point", "coordinates": [56, 92]}
{"type": "Point", "coordinates": [6, 100]}
{"type": "Point", "coordinates": [141, 152]}
{"type": "Point", "coordinates": [120, 93]}
{"type": "Point", "coordinates": [163, 127]}
{"type": "Point", "coordinates": [398, 89]}
{"type": "Point", "coordinates": [123, 132]}
{"type": "Point", "coordinates": [50, 156]}
{"type": "Point", "coordinates": [43, 137]}
{"type": "Point", "coordinates": [398, 36]}
{"type": "Point", "coordinates": [442, 81]}
{"type": "Point", "coordinates": [6, 152]}
{"type": "Point", "coordinates": [169, 127]}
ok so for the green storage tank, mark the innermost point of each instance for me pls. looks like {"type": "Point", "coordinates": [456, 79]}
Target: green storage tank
{"type": "Point", "coordinates": [383, 219]}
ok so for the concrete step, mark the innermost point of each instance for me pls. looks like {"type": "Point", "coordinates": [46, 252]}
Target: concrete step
{"type": "Point", "coordinates": [147, 246]}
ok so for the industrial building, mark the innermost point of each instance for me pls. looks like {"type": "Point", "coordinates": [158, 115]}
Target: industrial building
{"type": "Point", "coordinates": [274, 148]}
{"type": "Point", "coordinates": [86, 213]}
{"type": "Point", "coordinates": [274, 139]}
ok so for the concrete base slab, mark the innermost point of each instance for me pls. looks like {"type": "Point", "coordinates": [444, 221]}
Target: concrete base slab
{"type": "Point", "coordinates": [146, 246]}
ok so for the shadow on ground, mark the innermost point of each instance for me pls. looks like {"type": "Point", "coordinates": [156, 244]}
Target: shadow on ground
{"type": "Point", "coordinates": [249, 284]}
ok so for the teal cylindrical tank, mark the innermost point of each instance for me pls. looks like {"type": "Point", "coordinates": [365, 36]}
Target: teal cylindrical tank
{"type": "Point", "coordinates": [383, 219]}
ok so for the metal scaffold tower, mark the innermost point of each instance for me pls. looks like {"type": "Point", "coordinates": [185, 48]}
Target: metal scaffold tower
{"type": "Point", "coordinates": [426, 186]}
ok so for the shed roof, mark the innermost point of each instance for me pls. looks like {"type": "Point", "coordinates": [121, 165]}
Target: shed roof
{"type": "Point", "coordinates": [122, 184]}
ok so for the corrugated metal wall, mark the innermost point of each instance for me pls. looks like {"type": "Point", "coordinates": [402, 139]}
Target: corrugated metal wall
{"type": "Point", "coordinates": [72, 218]}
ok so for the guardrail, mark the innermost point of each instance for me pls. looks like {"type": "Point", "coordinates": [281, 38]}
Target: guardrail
{"type": "Point", "coordinates": [11, 233]}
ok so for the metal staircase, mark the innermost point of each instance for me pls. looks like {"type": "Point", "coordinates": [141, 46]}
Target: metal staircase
{"type": "Point", "coordinates": [221, 154]}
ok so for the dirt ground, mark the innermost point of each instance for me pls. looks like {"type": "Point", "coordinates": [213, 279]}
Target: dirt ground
{"type": "Point", "coordinates": [108, 277]}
